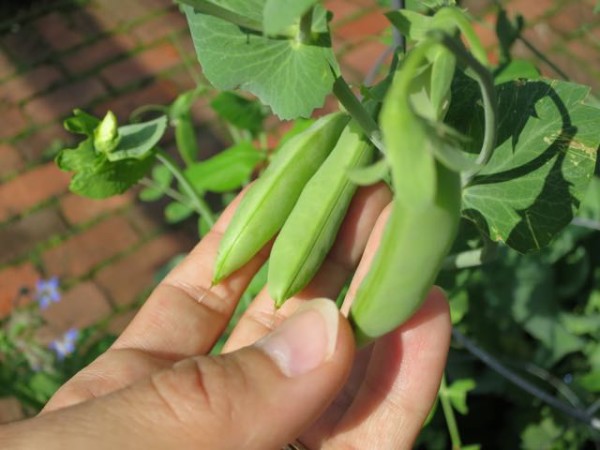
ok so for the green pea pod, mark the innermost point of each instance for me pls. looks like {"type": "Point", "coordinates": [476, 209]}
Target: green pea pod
{"type": "Point", "coordinates": [424, 218]}
{"type": "Point", "coordinates": [269, 201]}
{"type": "Point", "coordinates": [310, 229]}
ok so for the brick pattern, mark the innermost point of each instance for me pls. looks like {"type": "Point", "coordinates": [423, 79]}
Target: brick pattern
{"type": "Point", "coordinates": [116, 55]}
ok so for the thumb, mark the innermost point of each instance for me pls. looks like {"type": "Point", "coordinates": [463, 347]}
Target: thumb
{"type": "Point", "coordinates": [259, 397]}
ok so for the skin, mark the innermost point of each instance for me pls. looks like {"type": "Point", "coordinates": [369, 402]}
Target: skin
{"type": "Point", "coordinates": [155, 388]}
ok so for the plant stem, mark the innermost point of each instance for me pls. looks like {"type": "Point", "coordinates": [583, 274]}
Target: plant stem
{"type": "Point", "coordinates": [449, 415]}
{"type": "Point", "coordinates": [488, 92]}
{"type": "Point", "coordinates": [205, 7]}
{"type": "Point", "coordinates": [347, 98]}
{"type": "Point", "coordinates": [305, 30]}
{"type": "Point", "coordinates": [498, 367]}
{"type": "Point", "coordinates": [169, 192]}
{"type": "Point", "coordinates": [198, 202]}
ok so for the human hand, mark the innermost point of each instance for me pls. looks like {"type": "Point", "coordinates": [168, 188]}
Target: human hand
{"type": "Point", "coordinates": [155, 388]}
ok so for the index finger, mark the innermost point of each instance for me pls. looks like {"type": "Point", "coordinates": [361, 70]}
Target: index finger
{"type": "Point", "coordinates": [184, 315]}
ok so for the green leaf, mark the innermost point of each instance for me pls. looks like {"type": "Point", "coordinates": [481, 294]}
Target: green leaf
{"type": "Point", "coordinates": [411, 24]}
{"type": "Point", "coordinates": [176, 212]}
{"type": "Point", "coordinates": [110, 178]}
{"type": "Point", "coordinates": [81, 123]}
{"type": "Point", "coordinates": [280, 14]}
{"type": "Point", "coordinates": [226, 171]}
{"type": "Point", "coordinates": [292, 78]}
{"type": "Point", "coordinates": [514, 70]}
{"type": "Point", "coordinates": [81, 158]}
{"type": "Point", "coordinates": [203, 226]}
{"type": "Point", "coordinates": [239, 111]}
{"type": "Point", "coordinates": [457, 394]}
{"type": "Point", "coordinates": [459, 306]}
{"type": "Point", "coordinates": [541, 436]}
{"type": "Point", "coordinates": [183, 103]}
{"type": "Point", "coordinates": [138, 139]}
{"type": "Point", "coordinates": [162, 178]}
{"type": "Point", "coordinates": [590, 381]}
{"type": "Point", "coordinates": [542, 165]}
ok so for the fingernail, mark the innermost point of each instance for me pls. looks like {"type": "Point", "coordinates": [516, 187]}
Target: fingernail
{"type": "Point", "coordinates": [305, 340]}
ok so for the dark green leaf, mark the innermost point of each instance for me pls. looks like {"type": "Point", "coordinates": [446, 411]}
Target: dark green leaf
{"type": "Point", "coordinates": [81, 123]}
{"type": "Point", "coordinates": [226, 171]}
{"type": "Point", "coordinates": [239, 111]}
{"type": "Point", "coordinates": [138, 139]}
{"type": "Point", "coordinates": [542, 165]}
{"type": "Point", "coordinates": [292, 78]}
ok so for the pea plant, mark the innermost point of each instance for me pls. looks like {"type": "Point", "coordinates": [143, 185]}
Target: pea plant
{"type": "Point", "coordinates": [496, 196]}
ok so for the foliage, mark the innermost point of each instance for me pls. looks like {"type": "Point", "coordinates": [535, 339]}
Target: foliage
{"type": "Point", "coordinates": [524, 273]}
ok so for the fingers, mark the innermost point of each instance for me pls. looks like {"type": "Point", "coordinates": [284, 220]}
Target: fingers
{"type": "Point", "coordinates": [261, 317]}
{"type": "Point", "coordinates": [259, 397]}
{"type": "Point", "coordinates": [400, 384]}
{"type": "Point", "coordinates": [184, 315]}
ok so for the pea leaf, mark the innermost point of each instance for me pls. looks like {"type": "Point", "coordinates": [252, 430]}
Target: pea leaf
{"type": "Point", "coordinates": [457, 393]}
{"type": "Point", "coordinates": [176, 212]}
{"type": "Point", "coordinates": [81, 123]}
{"type": "Point", "coordinates": [543, 162]}
{"type": "Point", "coordinates": [280, 14]}
{"type": "Point", "coordinates": [515, 69]}
{"type": "Point", "coordinates": [162, 178]}
{"type": "Point", "coordinates": [291, 77]}
{"type": "Point", "coordinates": [138, 139]}
{"type": "Point", "coordinates": [367, 175]}
{"type": "Point", "coordinates": [83, 157]}
{"type": "Point", "coordinates": [106, 178]}
{"type": "Point", "coordinates": [239, 111]}
{"type": "Point", "coordinates": [226, 171]}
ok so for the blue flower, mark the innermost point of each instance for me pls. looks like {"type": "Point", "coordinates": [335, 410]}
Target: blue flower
{"type": "Point", "coordinates": [47, 292]}
{"type": "Point", "coordinates": [65, 345]}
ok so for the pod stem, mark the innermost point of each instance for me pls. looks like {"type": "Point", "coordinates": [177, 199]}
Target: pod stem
{"type": "Point", "coordinates": [488, 92]}
{"type": "Point", "coordinates": [199, 204]}
{"type": "Point", "coordinates": [347, 98]}
{"type": "Point", "coordinates": [449, 415]}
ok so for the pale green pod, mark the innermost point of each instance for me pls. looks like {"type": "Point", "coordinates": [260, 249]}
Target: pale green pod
{"type": "Point", "coordinates": [412, 250]}
{"type": "Point", "coordinates": [311, 228]}
{"type": "Point", "coordinates": [270, 199]}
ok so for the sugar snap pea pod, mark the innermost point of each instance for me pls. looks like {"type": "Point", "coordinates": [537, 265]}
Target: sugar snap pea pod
{"type": "Point", "coordinates": [423, 221]}
{"type": "Point", "coordinates": [268, 202]}
{"type": "Point", "coordinates": [310, 229]}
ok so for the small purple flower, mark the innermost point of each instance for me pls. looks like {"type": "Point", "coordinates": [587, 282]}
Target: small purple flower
{"type": "Point", "coordinates": [65, 345]}
{"type": "Point", "coordinates": [47, 292]}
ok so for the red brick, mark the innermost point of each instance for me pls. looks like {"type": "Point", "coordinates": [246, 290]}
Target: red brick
{"type": "Point", "coordinates": [142, 66]}
{"type": "Point", "coordinates": [115, 13]}
{"type": "Point", "coordinates": [362, 57]}
{"type": "Point", "coordinates": [39, 145]}
{"type": "Point", "coordinates": [10, 160]}
{"type": "Point", "coordinates": [12, 281]}
{"type": "Point", "coordinates": [531, 11]}
{"type": "Point", "coordinates": [6, 66]}
{"type": "Point", "coordinates": [28, 84]}
{"type": "Point", "coordinates": [340, 9]}
{"type": "Point", "coordinates": [126, 279]}
{"type": "Point", "coordinates": [160, 27]}
{"type": "Point", "coordinates": [26, 46]}
{"type": "Point", "coordinates": [13, 121]}
{"type": "Point", "coordinates": [22, 236]}
{"type": "Point", "coordinates": [80, 254]}
{"type": "Point", "coordinates": [33, 187]}
{"type": "Point", "coordinates": [98, 53]}
{"type": "Point", "coordinates": [79, 210]}
{"type": "Point", "coordinates": [370, 24]}
{"type": "Point", "coordinates": [57, 32]}
{"type": "Point", "coordinates": [160, 92]}
{"type": "Point", "coordinates": [80, 307]}
{"type": "Point", "coordinates": [61, 102]}
{"type": "Point", "coordinates": [146, 218]}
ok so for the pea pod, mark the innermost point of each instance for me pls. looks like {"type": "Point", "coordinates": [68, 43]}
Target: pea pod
{"type": "Point", "coordinates": [267, 204]}
{"type": "Point", "coordinates": [423, 221]}
{"type": "Point", "coordinates": [310, 229]}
